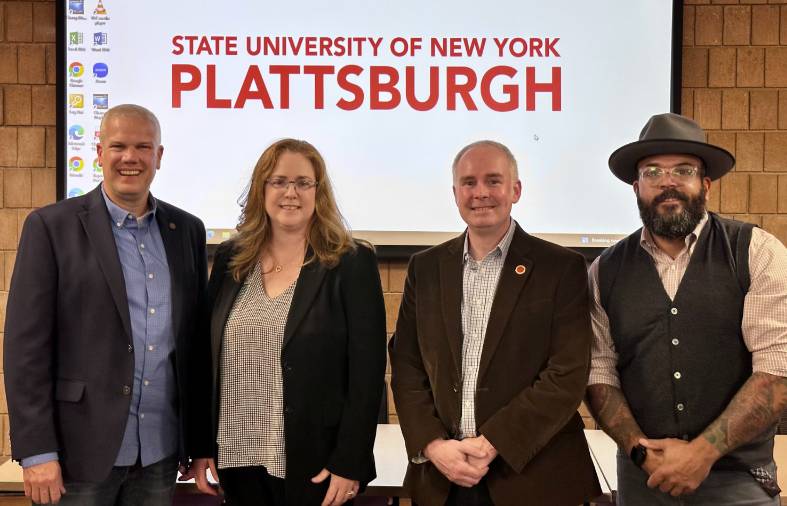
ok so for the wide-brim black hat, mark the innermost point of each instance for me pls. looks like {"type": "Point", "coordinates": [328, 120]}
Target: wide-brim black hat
{"type": "Point", "coordinates": [670, 134]}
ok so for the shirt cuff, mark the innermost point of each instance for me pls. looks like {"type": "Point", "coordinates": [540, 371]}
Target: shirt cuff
{"type": "Point", "coordinates": [602, 376]}
{"type": "Point", "coordinates": [39, 459]}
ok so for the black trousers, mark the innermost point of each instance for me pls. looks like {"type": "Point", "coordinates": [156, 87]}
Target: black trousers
{"type": "Point", "coordinates": [473, 496]}
{"type": "Point", "coordinates": [251, 486]}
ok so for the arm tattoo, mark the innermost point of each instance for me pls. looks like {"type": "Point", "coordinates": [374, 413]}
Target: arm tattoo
{"type": "Point", "coordinates": [757, 405]}
{"type": "Point", "coordinates": [609, 407]}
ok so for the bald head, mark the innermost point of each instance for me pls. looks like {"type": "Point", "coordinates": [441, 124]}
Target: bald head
{"type": "Point", "coordinates": [130, 110]}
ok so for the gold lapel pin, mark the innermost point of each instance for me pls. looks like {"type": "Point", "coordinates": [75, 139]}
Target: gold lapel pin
{"type": "Point", "coordinates": [520, 269]}
{"type": "Point", "coordinates": [172, 226]}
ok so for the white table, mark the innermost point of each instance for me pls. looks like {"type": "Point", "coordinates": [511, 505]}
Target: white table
{"type": "Point", "coordinates": [390, 459]}
{"type": "Point", "coordinates": [603, 450]}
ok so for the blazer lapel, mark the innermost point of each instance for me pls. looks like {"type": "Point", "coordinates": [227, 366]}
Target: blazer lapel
{"type": "Point", "coordinates": [98, 228]}
{"type": "Point", "coordinates": [511, 282]}
{"type": "Point", "coordinates": [172, 237]}
{"type": "Point", "coordinates": [451, 299]}
{"type": "Point", "coordinates": [306, 288]}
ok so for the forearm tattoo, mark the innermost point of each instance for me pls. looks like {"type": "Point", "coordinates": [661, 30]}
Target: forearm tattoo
{"type": "Point", "coordinates": [757, 405]}
{"type": "Point", "coordinates": [608, 406]}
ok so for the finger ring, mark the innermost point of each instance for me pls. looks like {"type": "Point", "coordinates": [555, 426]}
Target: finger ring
{"type": "Point", "coordinates": [351, 492]}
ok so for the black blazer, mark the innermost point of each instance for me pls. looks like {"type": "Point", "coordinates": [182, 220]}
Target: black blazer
{"type": "Point", "coordinates": [333, 366]}
{"type": "Point", "coordinates": [69, 360]}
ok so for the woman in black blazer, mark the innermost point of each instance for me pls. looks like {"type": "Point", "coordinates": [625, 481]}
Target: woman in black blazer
{"type": "Point", "coordinates": [297, 345]}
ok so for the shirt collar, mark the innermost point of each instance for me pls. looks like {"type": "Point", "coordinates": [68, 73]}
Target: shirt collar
{"type": "Point", "coordinates": [501, 248]}
{"type": "Point", "coordinates": [647, 242]}
{"type": "Point", "coordinates": [120, 216]}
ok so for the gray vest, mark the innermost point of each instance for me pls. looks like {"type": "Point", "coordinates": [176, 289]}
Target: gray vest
{"type": "Point", "coordinates": [680, 362]}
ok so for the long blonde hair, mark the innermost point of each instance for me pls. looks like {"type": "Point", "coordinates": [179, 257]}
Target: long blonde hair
{"type": "Point", "coordinates": [328, 235]}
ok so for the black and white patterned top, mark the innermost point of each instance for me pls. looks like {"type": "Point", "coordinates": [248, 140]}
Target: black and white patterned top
{"type": "Point", "coordinates": [479, 285]}
{"type": "Point", "coordinates": [251, 420]}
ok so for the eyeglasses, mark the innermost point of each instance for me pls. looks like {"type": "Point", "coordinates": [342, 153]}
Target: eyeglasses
{"type": "Point", "coordinates": [301, 184]}
{"type": "Point", "coordinates": [653, 173]}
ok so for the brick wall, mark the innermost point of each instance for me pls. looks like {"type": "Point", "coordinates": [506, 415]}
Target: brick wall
{"type": "Point", "coordinates": [735, 85]}
{"type": "Point", "coordinates": [27, 132]}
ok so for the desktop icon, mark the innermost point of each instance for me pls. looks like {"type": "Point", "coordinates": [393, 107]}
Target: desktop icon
{"type": "Point", "coordinates": [76, 164]}
{"type": "Point", "coordinates": [76, 6]}
{"type": "Point", "coordinates": [100, 39]}
{"type": "Point", "coordinates": [76, 100]}
{"type": "Point", "coordinates": [100, 70]}
{"type": "Point", "coordinates": [76, 132]}
{"type": "Point", "coordinates": [75, 192]}
{"type": "Point", "coordinates": [100, 10]}
{"type": "Point", "coordinates": [97, 166]}
{"type": "Point", "coordinates": [76, 69]}
{"type": "Point", "coordinates": [75, 38]}
{"type": "Point", "coordinates": [101, 101]}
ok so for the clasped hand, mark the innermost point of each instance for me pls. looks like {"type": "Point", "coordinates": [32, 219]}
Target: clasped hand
{"type": "Point", "coordinates": [675, 466]}
{"type": "Point", "coordinates": [463, 462]}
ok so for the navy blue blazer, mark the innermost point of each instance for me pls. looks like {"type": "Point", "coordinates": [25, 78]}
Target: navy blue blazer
{"type": "Point", "coordinates": [68, 351]}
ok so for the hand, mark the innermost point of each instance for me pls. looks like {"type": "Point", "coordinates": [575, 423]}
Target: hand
{"type": "Point", "coordinates": [684, 466]}
{"type": "Point", "coordinates": [44, 482]}
{"type": "Point", "coordinates": [199, 471]}
{"type": "Point", "coordinates": [340, 489]}
{"type": "Point", "coordinates": [451, 458]}
{"type": "Point", "coordinates": [653, 459]}
{"type": "Point", "coordinates": [480, 443]}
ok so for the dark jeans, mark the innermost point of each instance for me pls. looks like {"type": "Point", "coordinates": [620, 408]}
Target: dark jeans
{"type": "Point", "coordinates": [127, 486]}
{"type": "Point", "coordinates": [251, 486]}
{"type": "Point", "coordinates": [720, 488]}
{"type": "Point", "coordinates": [473, 496]}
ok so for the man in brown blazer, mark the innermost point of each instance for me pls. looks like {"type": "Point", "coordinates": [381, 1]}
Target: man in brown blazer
{"type": "Point", "coordinates": [490, 355]}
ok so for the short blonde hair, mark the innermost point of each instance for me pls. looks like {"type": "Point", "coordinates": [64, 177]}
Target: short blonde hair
{"type": "Point", "coordinates": [131, 110]}
{"type": "Point", "coordinates": [491, 144]}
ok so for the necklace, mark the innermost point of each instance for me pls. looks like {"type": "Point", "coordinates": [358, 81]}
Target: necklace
{"type": "Point", "coordinates": [278, 267]}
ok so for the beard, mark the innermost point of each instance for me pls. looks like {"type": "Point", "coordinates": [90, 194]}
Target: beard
{"type": "Point", "coordinates": [673, 224]}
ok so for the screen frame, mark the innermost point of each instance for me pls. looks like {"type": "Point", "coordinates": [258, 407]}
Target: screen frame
{"type": "Point", "coordinates": [383, 251]}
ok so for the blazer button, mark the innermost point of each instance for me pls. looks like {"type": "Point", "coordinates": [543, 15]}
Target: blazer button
{"type": "Point", "coordinates": [130, 348]}
{"type": "Point", "coordinates": [126, 390]}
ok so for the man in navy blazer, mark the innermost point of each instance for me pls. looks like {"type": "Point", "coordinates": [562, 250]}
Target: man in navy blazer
{"type": "Point", "coordinates": [101, 312]}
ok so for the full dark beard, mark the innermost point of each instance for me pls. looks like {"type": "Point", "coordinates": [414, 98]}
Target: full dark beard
{"type": "Point", "coordinates": [673, 225]}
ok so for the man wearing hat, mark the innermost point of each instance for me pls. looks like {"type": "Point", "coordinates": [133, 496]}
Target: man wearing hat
{"type": "Point", "coordinates": [689, 317]}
